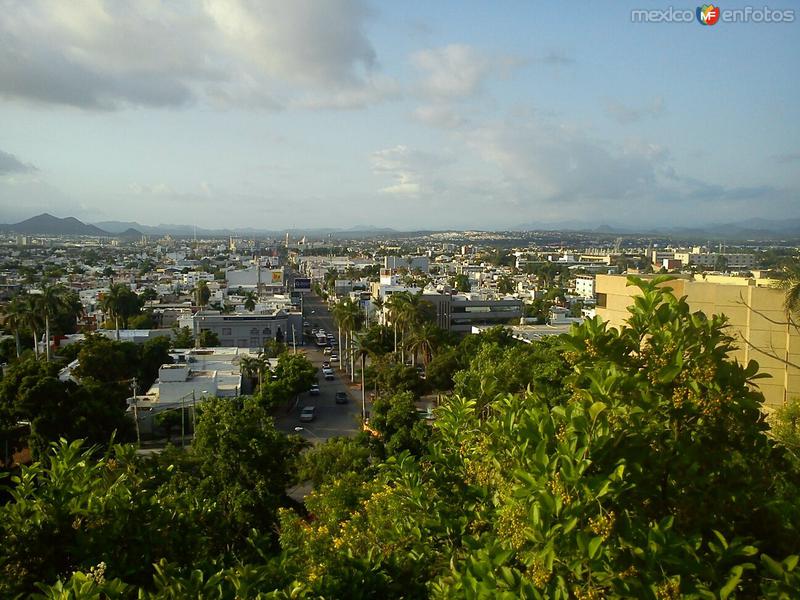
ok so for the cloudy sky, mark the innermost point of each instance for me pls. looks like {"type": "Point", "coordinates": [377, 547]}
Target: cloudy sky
{"type": "Point", "coordinates": [312, 113]}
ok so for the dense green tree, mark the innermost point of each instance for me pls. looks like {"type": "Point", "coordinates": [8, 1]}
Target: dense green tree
{"type": "Point", "coordinates": [596, 493]}
{"type": "Point", "coordinates": [274, 348]}
{"type": "Point", "coordinates": [148, 295]}
{"type": "Point", "coordinates": [335, 458]}
{"type": "Point", "coordinates": [647, 472]}
{"type": "Point", "coordinates": [121, 304]}
{"type": "Point", "coordinates": [65, 319]}
{"type": "Point", "coordinates": [244, 462]}
{"type": "Point", "coordinates": [395, 418]}
{"type": "Point", "coordinates": [496, 370]}
{"type": "Point", "coordinates": [202, 294]}
{"type": "Point", "coordinates": [17, 319]}
{"type": "Point", "coordinates": [208, 339]}
{"type": "Point", "coordinates": [785, 422]}
{"type": "Point", "coordinates": [390, 377]}
{"type": "Point", "coordinates": [107, 360]}
{"type": "Point", "coordinates": [152, 354]}
{"type": "Point", "coordinates": [182, 338]}
{"type": "Point", "coordinates": [506, 285]}
{"type": "Point", "coordinates": [142, 321]}
{"type": "Point", "coordinates": [94, 410]}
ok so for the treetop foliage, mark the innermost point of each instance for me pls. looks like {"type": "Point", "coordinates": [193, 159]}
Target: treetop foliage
{"type": "Point", "coordinates": [609, 463]}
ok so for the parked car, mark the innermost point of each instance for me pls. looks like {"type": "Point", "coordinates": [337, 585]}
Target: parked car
{"type": "Point", "coordinates": [307, 414]}
{"type": "Point", "coordinates": [314, 389]}
{"type": "Point", "coordinates": [334, 357]}
{"type": "Point", "coordinates": [326, 350]}
{"type": "Point", "coordinates": [341, 397]}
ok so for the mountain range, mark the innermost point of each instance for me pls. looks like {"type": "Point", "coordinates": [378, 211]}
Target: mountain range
{"type": "Point", "coordinates": [46, 224]}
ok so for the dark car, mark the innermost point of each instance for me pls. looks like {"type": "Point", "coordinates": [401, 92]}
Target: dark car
{"type": "Point", "coordinates": [341, 397]}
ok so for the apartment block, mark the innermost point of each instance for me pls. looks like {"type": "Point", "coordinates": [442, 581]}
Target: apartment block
{"type": "Point", "coordinates": [754, 308]}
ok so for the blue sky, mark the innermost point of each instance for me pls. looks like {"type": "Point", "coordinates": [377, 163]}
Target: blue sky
{"type": "Point", "coordinates": [239, 113]}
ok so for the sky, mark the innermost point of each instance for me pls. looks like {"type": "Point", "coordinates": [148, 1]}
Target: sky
{"type": "Point", "coordinates": [437, 115]}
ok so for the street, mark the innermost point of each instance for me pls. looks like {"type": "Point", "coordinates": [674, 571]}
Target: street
{"type": "Point", "coordinates": [331, 419]}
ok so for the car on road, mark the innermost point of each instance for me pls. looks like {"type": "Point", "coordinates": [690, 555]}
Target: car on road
{"type": "Point", "coordinates": [307, 414]}
{"type": "Point", "coordinates": [341, 397]}
{"type": "Point", "coordinates": [314, 389]}
{"type": "Point", "coordinates": [334, 357]}
{"type": "Point", "coordinates": [328, 374]}
{"type": "Point", "coordinates": [326, 350]}
{"type": "Point", "coordinates": [326, 365]}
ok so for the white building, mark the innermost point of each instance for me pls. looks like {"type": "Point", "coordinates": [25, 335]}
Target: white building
{"type": "Point", "coordinates": [584, 286]}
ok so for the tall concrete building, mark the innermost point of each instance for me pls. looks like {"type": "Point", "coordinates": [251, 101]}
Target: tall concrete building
{"type": "Point", "coordinates": [754, 308]}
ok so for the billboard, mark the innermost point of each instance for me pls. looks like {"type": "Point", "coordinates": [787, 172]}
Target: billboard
{"type": "Point", "coordinates": [276, 277]}
{"type": "Point", "coordinates": [302, 284]}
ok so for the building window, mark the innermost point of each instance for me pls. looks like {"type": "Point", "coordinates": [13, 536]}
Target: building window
{"type": "Point", "coordinates": [601, 300]}
{"type": "Point", "coordinates": [226, 331]}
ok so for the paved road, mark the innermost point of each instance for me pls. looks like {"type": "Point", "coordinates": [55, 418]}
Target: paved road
{"type": "Point", "coordinates": [331, 419]}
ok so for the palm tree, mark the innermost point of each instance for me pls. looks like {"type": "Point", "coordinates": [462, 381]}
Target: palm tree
{"type": "Point", "coordinates": [424, 340]}
{"type": "Point", "coordinates": [49, 303]}
{"type": "Point", "coordinates": [348, 318]}
{"type": "Point", "coordinates": [252, 367]}
{"type": "Point", "coordinates": [32, 320]}
{"type": "Point", "coordinates": [16, 318]}
{"type": "Point", "coordinates": [791, 287]}
{"type": "Point", "coordinates": [250, 301]}
{"type": "Point", "coordinates": [353, 318]}
{"type": "Point", "coordinates": [362, 347]}
{"type": "Point", "coordinates": [396, 304]}
{"type": "Point", "coordinates": [112, 303]}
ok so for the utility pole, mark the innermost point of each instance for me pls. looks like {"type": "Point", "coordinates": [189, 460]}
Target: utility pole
{"type": "Point", "coordinates": [136, 413]}
{"type": "Point", "coordinates": [183, 422]}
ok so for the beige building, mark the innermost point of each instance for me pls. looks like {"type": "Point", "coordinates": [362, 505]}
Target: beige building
{"type": "Point", "coordinates": [754, 308]}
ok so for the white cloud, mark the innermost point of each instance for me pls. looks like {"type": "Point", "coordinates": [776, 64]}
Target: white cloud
{"type": "Point", "coordinates": [626, 114]}
{"type": "Point", "coordinates": [98, 54]}
{"type": "Point", "coordinates": [439, 115]}
{"type": "Point", "coordinates": [458, 71]}
{"type": "Point", "coordinates": [411, 171]}
{"type": "Point", "coordinates": [455, 71]}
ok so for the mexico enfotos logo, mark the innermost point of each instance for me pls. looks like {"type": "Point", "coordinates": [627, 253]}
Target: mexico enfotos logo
{"type": "Point", "coordinates": [712, 14]}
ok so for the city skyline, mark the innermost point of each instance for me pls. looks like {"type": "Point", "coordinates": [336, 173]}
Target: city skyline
{"type": "Point", "coordinates": [273, 116]}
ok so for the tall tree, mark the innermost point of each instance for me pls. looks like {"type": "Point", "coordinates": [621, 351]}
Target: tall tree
{"type": "Point", "coordinates": [791, 286]}
{"type": "Point", "coordinates": [202, 293]}
{"type": "Point", "coordinates": [121, 304]}
{"type": "Point", "coordinates": [16, 318]}
{"type": "Point", "coordinates": [50, 302]}
{"type": "Point", "coordinates": [250, 300]}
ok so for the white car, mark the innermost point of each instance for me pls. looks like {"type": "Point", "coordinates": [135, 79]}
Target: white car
{"type": "Point", "coordinates": [328, 373]}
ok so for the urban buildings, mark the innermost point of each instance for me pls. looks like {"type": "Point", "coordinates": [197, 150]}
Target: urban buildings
{"type": "Point", "coordinates": [754, 308]}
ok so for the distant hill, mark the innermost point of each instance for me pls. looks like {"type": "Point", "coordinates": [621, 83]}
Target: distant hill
{"type": "Point", "coordinates": [130, 233]}
{"type": "Point", "coordinates": [46, 224]}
